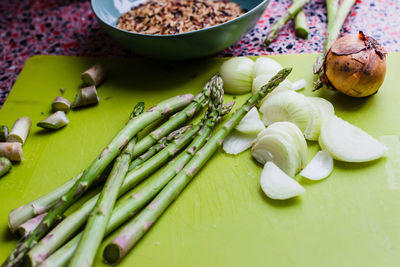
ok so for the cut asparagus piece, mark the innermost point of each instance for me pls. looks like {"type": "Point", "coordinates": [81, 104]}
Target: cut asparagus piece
{"type": "Point", "coordinates": [95, 169]}
{"type": "Point", "coordinates": [86, 96]}
{"type": "Point", "coordinates": [131, 234]}
{"type": "Point", "coordinates": [278, 25]}
{"type": "Point", "coordinates": [5, 166]}
{"type": "Point", "coordinates": [3, 133]}
{"type": "Point", "coordinates": [11, 151]}
{"type": "Point", "coordinates": [301, 25]}
{"type": "Point", "coordinates": [60, 104]}
{"type": "Point", "coordinates": [334, 26]}
{"type": "Point", "coordinates": [94, 75]}
{"type": "Point", "coordinates": [54, 121]}
{"type": "Point", "coordinates": [29, 210]}
{"type": "Point", "coordinates": [20, 130]}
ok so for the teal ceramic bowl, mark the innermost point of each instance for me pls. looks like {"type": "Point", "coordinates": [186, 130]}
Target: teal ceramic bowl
{"type": "Point", "coordinates": [195, 44]}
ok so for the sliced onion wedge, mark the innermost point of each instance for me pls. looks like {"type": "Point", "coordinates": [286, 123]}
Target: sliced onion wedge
{"type": "Point", "coordinates": [324, 106]}
{"type": "Point", "coordinates": [292, 134]}
{"type": "Point", "coordinates": [237, 142]}
{"type": "Point", "coordinates": [287, 106]}
{"type": "Point", "coordinates": [319, 167]}
{"type": "Point", "coordinates": [251, 123]}
{"type": "Point", "coordinates": [276, 184]}
{"type": "Point", "coordinates": [298, 85]}
{"type": "Point", "coordinates": [346, 142]}
{"type": "Point", "coordinates": [266, 65]}
{"type": "Point", "coordinates": [313, 129]}
{"type": "Point", "coordinates": [275, 148]}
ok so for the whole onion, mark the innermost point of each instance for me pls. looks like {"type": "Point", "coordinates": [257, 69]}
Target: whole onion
{"type": "Point", "coordinates": [355, 65]}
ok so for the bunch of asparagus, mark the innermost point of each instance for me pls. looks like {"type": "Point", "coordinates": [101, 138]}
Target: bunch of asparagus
{"type": "Point", "coordinates": [52, 240]}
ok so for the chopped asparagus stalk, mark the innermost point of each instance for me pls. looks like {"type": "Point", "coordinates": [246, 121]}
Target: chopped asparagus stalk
{"type": "Point", "coordinates": [62, 90]}
{"type": "Point", "coordinates": [3, 133]}
{"type": "Point", "coordinates": [20, 130]}
{"type": "Point", "coordinates": [301, 26]}
{"type": "Point", "coordinates": [5, 166]}
{"type": "Point", "coordinates": [86, 96]}
{"type": "Point", "coordinates": [132, 232]}
{"type": "Point", "coordinates": [92, 173]}
{"type": "Point", "coordinates": [278, 25]}
{"type": "Point", "coordinates": [94, 75]}
{"type": "Point", "coordinates": [12, 151]}
{"type": "Point", "coordinates": [54, 121]}
{"type": "Point", "coordinates": [60, 104]}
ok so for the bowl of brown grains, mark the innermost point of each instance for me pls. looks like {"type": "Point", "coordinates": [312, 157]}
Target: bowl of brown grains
{"type": "Point", "coordinates": [178, 29]}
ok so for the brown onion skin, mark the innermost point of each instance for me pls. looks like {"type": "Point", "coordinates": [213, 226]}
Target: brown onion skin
{"type": "Point", "coordinates": [358, 74]}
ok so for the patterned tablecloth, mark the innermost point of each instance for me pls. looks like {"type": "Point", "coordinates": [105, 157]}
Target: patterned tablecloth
{"type": "Point", "coordinates": [65, 27]}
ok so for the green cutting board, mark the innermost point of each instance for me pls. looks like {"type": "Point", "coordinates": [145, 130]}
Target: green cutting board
{"type": "Point", "coordinates": [222, 218]}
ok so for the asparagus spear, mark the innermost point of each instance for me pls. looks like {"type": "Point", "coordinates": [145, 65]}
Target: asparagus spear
{"type": "Point", "coordinates": [301, 26]}
{"type": "Point", "coordinates": [94, 75]}
{"type": "Point", "coordinates": [335, 23]}
{"type": "Point", "coordinates": [139, 196]}
{"type": "Point", "coordinates": [278, 25]}
{"type": "Point", "coordinates": [63, 231]}
{"type": "Point", "coordinates": [20, 130]}
{"type": "Point", "coordinates": [132, 232]}
{"type": "Point", "coordinates": [12, 151]}
{"type": "Point", "coordinates": [95, 169]}
{"type": "Point", "coordinates": [98, 219]}
{"type": "Point", "coordinates": [5, 166]}
{"type": "Point", "coordinates": [55, 121]}
{"type": "Point", "coordinates": [3, 133]}
{"type": "Point", "coordinates": [42, 204]}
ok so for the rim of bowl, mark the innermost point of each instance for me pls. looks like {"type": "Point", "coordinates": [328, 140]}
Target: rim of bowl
{"type": "Point", "coordinates": [178, 34]}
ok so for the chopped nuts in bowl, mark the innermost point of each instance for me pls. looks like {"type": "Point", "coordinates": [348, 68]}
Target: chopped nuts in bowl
{"type": "Point", "coordinates": [178, 29]}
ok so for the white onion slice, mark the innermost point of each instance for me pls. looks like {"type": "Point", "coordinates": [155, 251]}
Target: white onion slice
{"type": "Point", "coordinates": [319, 167]}
{"type": "Point", "coordinates": [237, 142]}
{"type": "Point", "coordinates": [346, 142]}
{"type": "Point", "coordinates": [266, 65]}
{"type": "Point", "coordinates": [325, 107]}
{"type": "Point", "coordinates": [298, 85]}
{"type": "Point", "coordinates": [251, 123]}
{"type": "Point", "coordinates": [237, 74]}
{"type": "Point", "coordinates": [276, 184]}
